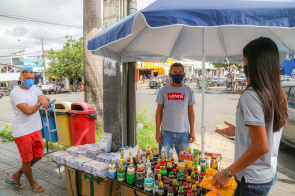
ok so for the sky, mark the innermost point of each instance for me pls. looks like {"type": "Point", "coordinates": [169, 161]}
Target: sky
{"type": "Point", "coordinates": [16, 35]}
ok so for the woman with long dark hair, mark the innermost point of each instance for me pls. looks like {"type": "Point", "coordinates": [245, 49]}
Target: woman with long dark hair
{"type": "Point", "coordinates": [262, 112]}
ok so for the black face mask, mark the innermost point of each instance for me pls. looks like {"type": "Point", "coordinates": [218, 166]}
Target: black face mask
{"type": "Point", "coordinates": [246, 70]}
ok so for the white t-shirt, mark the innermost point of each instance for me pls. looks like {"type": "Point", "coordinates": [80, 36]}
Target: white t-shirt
{"type": "Point", "coordinates": [25, 124]}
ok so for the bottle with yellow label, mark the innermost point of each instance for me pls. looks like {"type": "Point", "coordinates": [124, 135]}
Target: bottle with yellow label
{"type": "Point", "coordinates": [130, 174]}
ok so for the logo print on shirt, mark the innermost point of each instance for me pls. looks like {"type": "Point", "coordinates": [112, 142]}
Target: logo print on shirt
{"type": "Point", "coordinates": [176, 96]}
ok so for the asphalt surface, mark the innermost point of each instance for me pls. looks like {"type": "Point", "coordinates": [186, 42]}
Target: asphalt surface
{"type": "Point", "coordinates": [218, 107]}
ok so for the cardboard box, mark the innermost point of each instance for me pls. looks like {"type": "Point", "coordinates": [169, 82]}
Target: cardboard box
{"type": "Point", "coordinates": [71, 181]}
{"type": "Point", "coordinates": [90, 185]}
{"type": "Point", "coordinates": [130, 192]}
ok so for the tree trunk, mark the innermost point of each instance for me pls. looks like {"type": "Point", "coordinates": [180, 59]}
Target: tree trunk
{"type": "Point", "coordinates": [93, 64]}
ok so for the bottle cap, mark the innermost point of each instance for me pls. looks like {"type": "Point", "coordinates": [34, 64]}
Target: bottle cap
{"type": "Point", "coordinates": [196, 169]}
{"type": "Point", "coordinates": [174, 181]}
{"type": "Point", "coordinates": [179, 176]}
{"type": "Point", "coordinates": [158, 159]}
{"type": "Point", "coordinates": [170, 188]}
{"type": "Point", "coordinates": [189, 191]}
{"type": "Point", "coordinates": [159, 175]}
{"type": "Point", "coordinates": [184, 183]}
{"type": "Point", "coordinates": [185, 170]}
{"type": "Point", "coordinates": [169, 163]}
{"type": "Point", "coordinates": [112, 162]}
{"type": "Point", "coordinates": [180, 171]}
{"type": "Point", "coordinates": [129, 153]}
{"type": "Point", "coordinates": [173, 170]}
{"type": "Point", "coordinates": [166, 179]}
{"type": "Point", "coordinates": [190, 167]}
{"type": "Point", "coordinates": [161, 183]}
{"type": "Point", "coordinates": [197, 182]}
{"type": "Point", "coordinates": [202, 174]}
{"type": "Point", "coordinates": [171, 173]}
{"type": "Point", "coordinates": [157, 166]}
{"type": "Point", "coordinates": [193, 173]}
{"type": "Point", "coordinates": [218, 159]}
{"type": "Point", "coordinates": [194, 186]}
{"type": "Point", "coordinates": [181, 188]}
{"type": "Point", "coordinates": [189, 178]}
{"type": "Point", "coordinates": [177, 168]}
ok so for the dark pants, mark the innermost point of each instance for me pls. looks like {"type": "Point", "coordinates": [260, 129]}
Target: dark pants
{"type": "Point", "coordinates": [248, 189]}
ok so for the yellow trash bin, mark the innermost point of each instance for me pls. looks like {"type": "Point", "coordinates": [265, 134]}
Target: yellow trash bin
{"type": "Point", "coordinates": [63, 122]}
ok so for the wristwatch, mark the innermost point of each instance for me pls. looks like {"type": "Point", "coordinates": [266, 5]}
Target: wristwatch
{"type": "Point", "coordinates": [228, 172]}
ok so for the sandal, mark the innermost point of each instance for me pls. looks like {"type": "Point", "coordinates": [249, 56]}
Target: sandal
{"type": "Point", "coordinates": [34, 189]}
{"type": "Point", "coordinates": [9, 181]}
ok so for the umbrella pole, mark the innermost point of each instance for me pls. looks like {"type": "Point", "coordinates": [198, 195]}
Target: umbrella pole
{"type": "Point", "coordinates": [203, 96]}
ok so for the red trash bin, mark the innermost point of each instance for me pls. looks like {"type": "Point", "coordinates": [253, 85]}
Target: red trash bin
{"type": "Point", "coordinates": [83, 118]}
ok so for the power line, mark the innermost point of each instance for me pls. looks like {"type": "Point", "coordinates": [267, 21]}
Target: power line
{"type": "Point", "coordinates": [37, 20]}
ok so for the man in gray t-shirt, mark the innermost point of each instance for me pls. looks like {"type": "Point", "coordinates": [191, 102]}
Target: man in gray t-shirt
{"type": "Point", "coordinates": [175, 113]}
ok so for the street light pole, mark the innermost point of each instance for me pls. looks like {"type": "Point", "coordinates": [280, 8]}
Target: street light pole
{"type": "Point", "coordinates": [43, 56]}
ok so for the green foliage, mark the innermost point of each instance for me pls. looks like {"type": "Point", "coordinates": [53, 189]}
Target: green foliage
{"type": "Point", "coordinates": [98, 133]}
{"type": "Point", "coordinates": [67, 62]}
{"type": "Point", "coordinates": [60, 147]}
{"type": "Point", "coordinates": [146, 130]}
{"type": "Point", "coordinates": [6, 134]}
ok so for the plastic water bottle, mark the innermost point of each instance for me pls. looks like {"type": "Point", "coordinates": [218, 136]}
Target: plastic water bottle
{"type": "Point", "coordinates": [171, 153]}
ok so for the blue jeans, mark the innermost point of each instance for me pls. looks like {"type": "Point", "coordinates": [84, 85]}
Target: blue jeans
{"type": "Point", "coordinates": [248, 189]}
{"type": "Point", "coordinates": [158, 88]}
{"type": "Point", "coordinates": [169, 139]}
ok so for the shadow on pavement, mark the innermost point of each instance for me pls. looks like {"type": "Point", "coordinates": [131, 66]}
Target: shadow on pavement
{"type": "Point", "coordinates": [286, 160]}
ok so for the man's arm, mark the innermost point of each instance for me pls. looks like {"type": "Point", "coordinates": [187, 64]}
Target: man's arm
{"type": "Point", "coordinates": [191, 118]}
{"type": "Point", "coordinates": [43, 100]}
{"type": "Point", "coordinates": [24, 107]}
{"type": "Point", "coordinates": [159, 113]}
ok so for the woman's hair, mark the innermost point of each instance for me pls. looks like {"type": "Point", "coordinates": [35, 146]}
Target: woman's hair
{"type": "Point", "coordinates": [264, 77]}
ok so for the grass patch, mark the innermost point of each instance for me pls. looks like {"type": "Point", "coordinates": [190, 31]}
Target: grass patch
{"type": "Point", "coordinates": [146, 129]}
{"type": "Point", "coordinates": [6, 134]}
{"type": "Point", "coordinates": [98, 133]}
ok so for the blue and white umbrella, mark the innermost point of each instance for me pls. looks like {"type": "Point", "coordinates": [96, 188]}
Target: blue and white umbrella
{"type": "Point", "coordinates": [195, 29]}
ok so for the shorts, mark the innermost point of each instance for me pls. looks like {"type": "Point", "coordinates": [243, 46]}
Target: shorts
{"type": "Point", "coordinates": [30, 146]}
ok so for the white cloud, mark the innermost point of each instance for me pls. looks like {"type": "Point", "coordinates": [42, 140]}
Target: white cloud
{"type": "Point", "coordinates": [20, 34]}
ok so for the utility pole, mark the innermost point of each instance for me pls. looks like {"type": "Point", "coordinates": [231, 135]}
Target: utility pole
{"type": "Point", "coordinates": [43, 56]}
{"type": "Point", "coordinates": [93, 64]}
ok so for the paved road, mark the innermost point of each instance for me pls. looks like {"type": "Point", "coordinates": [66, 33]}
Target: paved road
{"type": "Point", "coordinates": [219, 107]}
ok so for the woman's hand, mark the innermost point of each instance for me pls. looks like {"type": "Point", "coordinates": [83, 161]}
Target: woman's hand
{"type": "Point", "coordinates": [220, 179]}
{"type": "Point", "coordinates": [230, 131]}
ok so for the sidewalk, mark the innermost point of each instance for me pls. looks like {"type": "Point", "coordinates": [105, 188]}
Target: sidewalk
{"type": "Point", "coordinates": [45, 173]}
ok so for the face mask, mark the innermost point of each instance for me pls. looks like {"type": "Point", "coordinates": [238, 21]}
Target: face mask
{"type": "Point", "coordinates": [28, 83]}
{"type": "Point", "coordinates": [246, 70]}
{"type": "Point", "coordinates": [177, 78]}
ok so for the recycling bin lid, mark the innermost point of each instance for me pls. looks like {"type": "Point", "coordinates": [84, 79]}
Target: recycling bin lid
{"type": "Point", "coordinates": [81, 108]}
{"type": "Point", "coordinates": [62, 105]}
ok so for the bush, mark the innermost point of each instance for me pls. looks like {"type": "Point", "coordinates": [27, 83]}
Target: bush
{"type": "Point", "coordinates": [6, 134]}
{"type": "Point", "coordinates": [146, 129]}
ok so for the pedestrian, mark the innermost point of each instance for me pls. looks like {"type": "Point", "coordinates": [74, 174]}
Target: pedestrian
{"type": "Point", "coordinates": [175, 113]}
{"type": "Point", "coordinates": [261, 114]}
{"type": "Point", "coordinates": [140, 78]}
{"type": "Point", "coordinates": [81, 86]}
{"type": "Point", "coordinates": [159, 85]}
{"type": "Point", "coordinates": [78, 87]}
{"type": "Point", "coordinates": [143, 79]}
{"type": "Point", "coordinates": [26, 100]}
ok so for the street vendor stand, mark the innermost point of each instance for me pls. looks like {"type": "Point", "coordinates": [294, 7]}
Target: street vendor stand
{"type": "Point", "coordinates": [194, 30]}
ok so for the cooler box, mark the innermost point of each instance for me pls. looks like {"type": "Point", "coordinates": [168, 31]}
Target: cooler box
{"type": "Point", "coordinates": [83, 118]}
{"type": "Point", "coordinates": [51, 121]}
{"type": "Point", "coordinates": [63, 122]}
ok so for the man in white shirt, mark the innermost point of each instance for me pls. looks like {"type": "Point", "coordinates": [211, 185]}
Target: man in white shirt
{"type": "Point", "coordinates": [26, 99]}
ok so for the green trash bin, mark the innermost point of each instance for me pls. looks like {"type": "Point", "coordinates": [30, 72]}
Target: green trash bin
{"type": "Point", "coordinates": [42, 132]}
{"type": "Point", "coordinates": [199, 83]}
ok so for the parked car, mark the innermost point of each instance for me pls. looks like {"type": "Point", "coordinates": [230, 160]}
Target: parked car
{"type": "Point", "coordinates": [48, 87]}
{"type": "Point", "coordinates": [288, 136]}
{"type": "Point", "coordinates": [5, 90]}
{"type": "Point", "coordinates": [241, 78]}
{"type": "Point", "coordinates": [1, 93]}
{"type": "Point", "coordinates": [153, 83]}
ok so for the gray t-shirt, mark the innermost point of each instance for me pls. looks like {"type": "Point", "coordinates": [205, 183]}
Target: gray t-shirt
{"type": "Point", "coordinates": [250, 112]}
{"type": "Point", "coordinates": [175, 113]}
